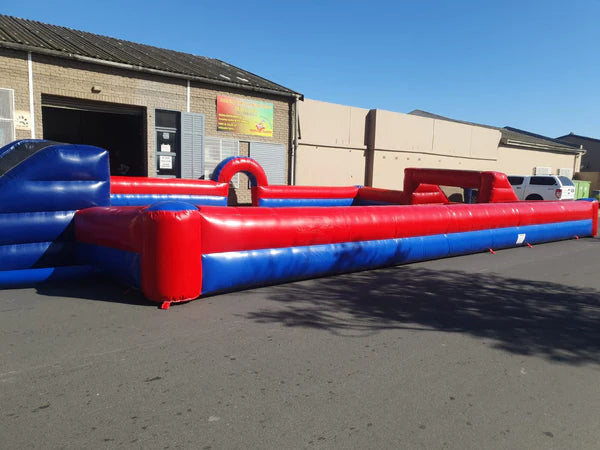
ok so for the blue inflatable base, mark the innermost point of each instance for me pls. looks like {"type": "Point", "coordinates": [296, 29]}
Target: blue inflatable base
{"type": "Point", "coordinates": [237, 270]}
{"type": "Point", "coordinates": [31, 277]}
{"type": "Point", "coordinates": [120, 265]}
{"type": "Point", "coordinates": [296, 202]}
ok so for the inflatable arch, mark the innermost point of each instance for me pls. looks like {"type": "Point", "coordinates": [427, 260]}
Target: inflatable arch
{"type": "Point", "coordinates": [227, 168]}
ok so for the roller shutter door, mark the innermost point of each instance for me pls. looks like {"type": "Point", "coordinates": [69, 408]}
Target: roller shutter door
{"type": "Point", "coordinates": [272, 158]}
{"type": "Point", "coordinates": [54, 101]}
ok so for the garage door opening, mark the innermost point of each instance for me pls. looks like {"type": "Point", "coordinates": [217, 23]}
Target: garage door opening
{"type": "Point", "coordinates": [118, 129]}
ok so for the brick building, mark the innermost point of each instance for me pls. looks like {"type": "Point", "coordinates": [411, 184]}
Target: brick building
{"type": "Point", "coordinates": [159, 112]}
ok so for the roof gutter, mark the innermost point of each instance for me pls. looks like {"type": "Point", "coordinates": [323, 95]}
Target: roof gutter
{"type": "Point", "coordinates": [87, 59]}
{"type": "Point", "coordinates": [544, 147]}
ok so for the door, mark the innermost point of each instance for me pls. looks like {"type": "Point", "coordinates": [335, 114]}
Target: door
{"type": "Point", "coordinates": [167, 143]}
{"type": "Point", "coordinates": [167, 152]}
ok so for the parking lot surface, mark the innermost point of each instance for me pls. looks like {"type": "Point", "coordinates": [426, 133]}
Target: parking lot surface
{"type": "Point", "coordinates": [479, 351]}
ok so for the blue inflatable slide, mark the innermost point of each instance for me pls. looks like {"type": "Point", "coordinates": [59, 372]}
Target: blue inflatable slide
{"type": "Point", "coordinates": [42, 184]}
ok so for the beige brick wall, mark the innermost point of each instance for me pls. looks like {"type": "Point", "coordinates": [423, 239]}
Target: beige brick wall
{"type": "Point", "coordinates": [203, 99]}
{"type": "Point", "coordinates": [68, 78]}
{"type": "Point", "coordinates": [330, 166]}
{"type": "Point", "coordinates": [13, 75]}
{"type": "Point", "coordinates": [516, 161]}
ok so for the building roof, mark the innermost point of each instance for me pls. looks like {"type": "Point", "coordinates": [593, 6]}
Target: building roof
{"type": "Point", "coordinates": [38, 37]}
{"type": "Point", "coordinates": [514, 136]}
{"type": "Point", "coordinates": [578, 136]}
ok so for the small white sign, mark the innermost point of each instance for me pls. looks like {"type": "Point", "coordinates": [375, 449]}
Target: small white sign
{"type": "Point", "coordinates": [23, 120]}
{"type": "Point", "coordinates": [520, 238]}
{"type": "Point", "coordinates": [165, 148]}
{"type": "Point", "coordinates": [165, 162]}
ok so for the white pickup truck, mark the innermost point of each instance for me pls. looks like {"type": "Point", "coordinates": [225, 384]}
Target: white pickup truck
{"type": "Point", "coordinates": [542, 187]}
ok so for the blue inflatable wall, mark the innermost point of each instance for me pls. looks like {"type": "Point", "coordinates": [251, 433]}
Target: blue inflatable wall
{"type": "Point", "coordinates": [42, 184]}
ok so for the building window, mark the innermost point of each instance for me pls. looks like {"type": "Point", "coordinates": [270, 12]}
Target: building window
{"type": "Point", "coordinates": [215, 151]}
{"type": "Point", "coordinates": [7, 123]}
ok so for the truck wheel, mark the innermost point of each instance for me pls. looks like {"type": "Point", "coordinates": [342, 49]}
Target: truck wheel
{"type": "Point", "coordinates": [534, 197]}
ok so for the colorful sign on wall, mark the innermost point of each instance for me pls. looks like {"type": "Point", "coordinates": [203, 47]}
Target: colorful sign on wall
{"type": "Point", "coordinates": [244, 116]}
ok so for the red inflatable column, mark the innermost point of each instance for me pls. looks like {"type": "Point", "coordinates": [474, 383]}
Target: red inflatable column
{"type": "Point", "coordinates": [594, 218]}
{"type": "Point", "coordinates": [495, 188]}
{"type": "Point", "coordinates": [171, 259]}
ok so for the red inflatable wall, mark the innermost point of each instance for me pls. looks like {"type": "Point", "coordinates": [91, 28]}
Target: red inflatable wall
{"type": "Point", "coordinates": [142, 185]}
{"type": "Point", "coordinates": [303, 192]}
{"type": "Point", "coordinates": [171, 238]}
{"type": "Point", "coordinates": [382, 196]}
{"type": "Point", "coordinates": [231, 229]}
{"type": "Point", "coordinates": [493, 186]}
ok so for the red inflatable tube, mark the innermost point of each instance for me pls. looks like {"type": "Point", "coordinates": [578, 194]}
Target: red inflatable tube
{"type": "Point", "coordinates": [595, 219]}
{"type": "Point", "coordinates": [171, 261]}
{"type": "Point", "coordinates": [307, 191]}
{"type": "Point", "coordinates": [551, 211]}
{"type": "Point", "coordinates": [428, 193]}
{"type": "Point", "coordinates": [114, 226]}
{"type": "Point", "coordinates": [143, 185]}
{"type": "Point", "coordinates": [234, 229]}
{"type": "Point", "coordinates": [259, 192]}
{"type": "Point", "coordinates": [371, 194]}
{"type": "Point", "coordinates": [245, 165]}
{"type": "Point", "coordinates": [167, 241]}
{"type": "Point", "coordinates": [444, 177]}
{"type": "Point", "coordinates": [495, 188]}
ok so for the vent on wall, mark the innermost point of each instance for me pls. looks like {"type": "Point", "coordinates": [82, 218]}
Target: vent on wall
{"type": "Point", "coordinates": [540, 170]}
{"type": "Point", "coordinates": [565, 172]}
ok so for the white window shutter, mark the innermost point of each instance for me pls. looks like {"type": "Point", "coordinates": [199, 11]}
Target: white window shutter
{"type": "Point", "coordinates": [7, 125]}
{"type": "Point", "coordinates": [192, 145]}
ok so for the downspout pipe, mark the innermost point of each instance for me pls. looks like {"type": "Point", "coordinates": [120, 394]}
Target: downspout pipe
{"type": "Point", "coordinates": [577, 161]}
{"type": "Point", "coordinates": [295, 145]}
{"type": "Point", "coordinates": [31, 94]}
{"type": "Point", "coordinates": [370, 143]}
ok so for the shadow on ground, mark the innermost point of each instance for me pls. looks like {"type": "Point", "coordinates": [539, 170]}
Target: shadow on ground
{"type": "Point", "coordinates": [95, 288]}
{"type": "Point", "coordinates": [524, 317]}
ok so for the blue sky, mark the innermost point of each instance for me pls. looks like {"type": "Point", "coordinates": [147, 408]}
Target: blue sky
{"type": "Point", "coordinates": [528, 64]}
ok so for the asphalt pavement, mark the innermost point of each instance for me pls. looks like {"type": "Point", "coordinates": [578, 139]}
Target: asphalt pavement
{"type": "Point", "coordinates": [474, 352]}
